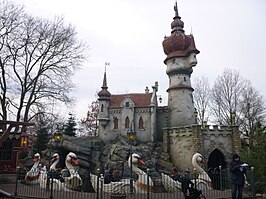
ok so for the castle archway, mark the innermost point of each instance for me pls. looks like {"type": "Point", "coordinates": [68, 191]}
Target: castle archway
{"type": "Point", "coordinates": [216, 159]}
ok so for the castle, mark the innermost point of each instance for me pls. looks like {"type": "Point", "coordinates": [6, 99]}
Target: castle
{"type": "Point", "coordinates": [174, 125]}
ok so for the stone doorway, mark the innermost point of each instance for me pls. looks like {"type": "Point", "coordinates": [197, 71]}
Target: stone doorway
{"type": "Point", "coordinates": [216, 167]}
{"type": "Point", "coordinates": [216, 159]}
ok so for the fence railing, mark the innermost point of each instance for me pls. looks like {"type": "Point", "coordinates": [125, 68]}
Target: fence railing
{"type": "Point", "coordinates": [148, 187]}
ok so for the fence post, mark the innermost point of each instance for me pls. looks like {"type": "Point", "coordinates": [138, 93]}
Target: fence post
{"type": "Point", "coordinates": [17, 177]}
{"type": "Point", "coordinates": [148, 183]}
{"type": "Point", "coordinates": [52, 184]}
{"type": "Point", "coordinates": [98, 176]}
{"type": "Point", "coordinates": [253, 186]}
{"type": "Point", "coordinates": [101, 179]}
{"type": "Point", "coordinates": [195, 177]}
{"type": "Point", "coordinates": [221, 178]}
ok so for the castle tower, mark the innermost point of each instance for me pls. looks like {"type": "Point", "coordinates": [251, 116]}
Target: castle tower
{"type": "Point", "coordinates": [181, 57]}
{"type": "Point", "coordinates": [104, 103]}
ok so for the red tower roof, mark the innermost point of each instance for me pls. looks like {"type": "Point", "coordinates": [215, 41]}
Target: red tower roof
{"type": "Point", "coordinates": [178, 44]}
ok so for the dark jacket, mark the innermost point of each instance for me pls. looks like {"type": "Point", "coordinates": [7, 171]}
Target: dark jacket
{"type": "Point", "coordinates": [237, 172]}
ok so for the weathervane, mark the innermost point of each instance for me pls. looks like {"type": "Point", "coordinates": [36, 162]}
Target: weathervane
{"type": "Point", "coordinates": [106, 64]}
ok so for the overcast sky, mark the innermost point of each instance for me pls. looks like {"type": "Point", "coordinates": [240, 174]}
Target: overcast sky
{"type": "Point", "coordinates": [129, 35]}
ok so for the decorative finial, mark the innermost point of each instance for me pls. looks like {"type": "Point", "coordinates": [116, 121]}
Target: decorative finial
{"type": "Point", "coordinates": [176, 10]}
{"type": "Point", "coordinates": [106, 64]}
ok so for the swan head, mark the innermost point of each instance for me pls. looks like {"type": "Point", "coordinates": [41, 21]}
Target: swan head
{"type": "Point", "coordinates": [72, 158]}
{"type": "Point", "coordinates": [136, 160]}
{"type": "Point", "coordinates": [198, 158]}
{"type": "Point", "coordinates": [36, 157]}
{"type": "Point", "coordinates": [55, 157]}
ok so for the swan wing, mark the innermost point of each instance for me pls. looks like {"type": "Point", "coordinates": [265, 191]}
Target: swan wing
{"type": "Point", "coordinates": [169, 184]}
{"type": "Point", "coordinates": [122, 186]}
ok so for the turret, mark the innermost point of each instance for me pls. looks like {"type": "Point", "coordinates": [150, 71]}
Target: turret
{"type": "Point", "coordinates": [104, 102]}
{"type": "Point", "coordinates": [181, 57]}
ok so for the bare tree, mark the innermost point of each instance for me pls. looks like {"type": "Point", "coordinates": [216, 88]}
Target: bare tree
{"type": "Point", "coordinates": [89, 125]}
{"type": "Point", "coordinates": [40, 58]}
{"type": "Point", "coordinates": [201, 96]}
{"type": "Point", "coordinates": [9, 15]}
{"type": "Point", "coordinates": [253, 110]}
{"type": "Point", "coordinates": [226, 95]}
{"type": "Point", "coordinates": [236, 102]}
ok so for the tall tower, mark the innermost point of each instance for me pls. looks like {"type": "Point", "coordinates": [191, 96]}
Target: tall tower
{"type": "Point", "coordinates": [181, 57]}
{"type": "Point", "coordinates": [104, 103]}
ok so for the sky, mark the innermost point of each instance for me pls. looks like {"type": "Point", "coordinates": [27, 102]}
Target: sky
{"type": "Point", "coordinates": [129, 34]}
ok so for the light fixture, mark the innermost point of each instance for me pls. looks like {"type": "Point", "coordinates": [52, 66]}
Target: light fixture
{"type": "Point", "coordinates": [57, 136]}
{"type": "Point", "coordinates": [24, 139]}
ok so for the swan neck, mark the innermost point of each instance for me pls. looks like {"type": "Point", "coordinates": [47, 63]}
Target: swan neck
{"type": "Point", "coordinates": [53, 166]}
{"type": "Point", "coordinates": [36, 164]}
{"type": "Point", "coordinates": [197, 166]}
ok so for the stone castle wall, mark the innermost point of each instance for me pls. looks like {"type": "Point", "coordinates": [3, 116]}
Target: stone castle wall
{"type": "Point", "coordinates": [182, 142]}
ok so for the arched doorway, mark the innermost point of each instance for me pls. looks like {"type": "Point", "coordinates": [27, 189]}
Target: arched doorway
{"type": "Point", "coordinates": [217, 159]}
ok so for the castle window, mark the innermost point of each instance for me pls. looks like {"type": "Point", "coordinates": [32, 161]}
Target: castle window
{"type": "Point", "coordinates": [185, 79]}
{"type": "Point", "coordinates": [141, 123]}
{"type": "Point", "coordinates": [102, 108]}
{"type": "Point", "coordinates": [115, 123]}
{"type": "Point", "coordinates": [127, 123]}
{"type": "Point", "coordinates": [127, 104]}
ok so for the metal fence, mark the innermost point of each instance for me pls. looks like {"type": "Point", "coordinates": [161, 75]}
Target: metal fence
{"type": "Point", "coordinates": [161, 188]}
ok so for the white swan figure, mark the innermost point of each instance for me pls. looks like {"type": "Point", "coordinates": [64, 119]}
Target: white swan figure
{"type": "Point", "coordinates": [123, 186]}
{"type": "Point", "coordinates": [58, 185]}
{"type": "Point", "coordinates": [55, 159]}
{"type": "Point", "coordinates": [203, 182]}
{"type": "Point", "coordinates": [141, 185]}
{"type": "Point", "coordinates": [74, 181]}
{"type": "Point", "coordinates": [32, 176]}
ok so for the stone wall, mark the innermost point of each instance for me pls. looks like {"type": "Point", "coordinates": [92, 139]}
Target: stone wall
{"type": "Point", "coordinates": [182, 142]}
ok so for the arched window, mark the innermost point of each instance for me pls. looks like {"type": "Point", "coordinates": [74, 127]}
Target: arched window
{"type": "Point", "coordinates": [127, 123]}
{"type": "Point", "coordinates": [141, 123]}
{"type": "Point", "coordinates": [102, 108]}
{"type": "Point", "coordinates": [115, 123]}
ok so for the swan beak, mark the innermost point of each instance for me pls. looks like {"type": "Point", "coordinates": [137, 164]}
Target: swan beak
{"type": "Point", "coordinates": [35, 159]}
{"type": "Point", "coordinates": [202, 162]}
{"type": "Point", "coordinates": [75, 161]}
{"type": "Point", "coordinates": [53, 158]}
{"type": "Point", "coordinates": [141, 162]}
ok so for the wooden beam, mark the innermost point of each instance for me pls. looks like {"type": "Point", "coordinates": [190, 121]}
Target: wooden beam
{"type": "Point", "coordinates": [11, 124]}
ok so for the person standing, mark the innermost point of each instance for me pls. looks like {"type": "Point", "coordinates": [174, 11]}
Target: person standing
{"type": "Point", "coordinates": [238, 172]}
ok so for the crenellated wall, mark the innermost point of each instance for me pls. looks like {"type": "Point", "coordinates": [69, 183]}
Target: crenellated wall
{"type": "Point", "coordinates": [182, 142]}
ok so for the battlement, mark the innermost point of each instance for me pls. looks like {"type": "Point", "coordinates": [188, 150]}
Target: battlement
{"type": "Point", "coordinates": [205, 130]}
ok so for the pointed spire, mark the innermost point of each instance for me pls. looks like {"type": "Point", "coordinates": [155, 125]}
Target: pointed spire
{"type": "Point", "coordinates": [176, 11]}
{"type": "Point", "coordinates": [104, 93]}
{"type": "Point", "coordinates": [104, 77]}
{"type": "Point", "coordinates": [177, 24]}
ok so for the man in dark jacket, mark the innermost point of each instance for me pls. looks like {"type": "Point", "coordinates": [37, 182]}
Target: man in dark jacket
{"type": "Point", "coordinates": [238, 171]}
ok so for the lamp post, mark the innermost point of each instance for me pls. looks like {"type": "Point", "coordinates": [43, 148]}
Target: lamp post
{"type": "Point", "coordinates": [131, 137]}
{"type": "Point", "coordinates": [232, 117]}
{"type": "Point", "coordinates": [57, 137]}
{"type": "Point", "coordinates": [49, 164]}
{"type": "Point", "coordinates": [204, 124]}
{"type": "Point", "coordinates": [196, 116]}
